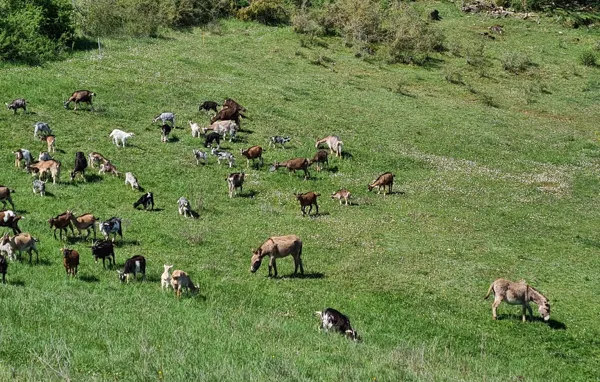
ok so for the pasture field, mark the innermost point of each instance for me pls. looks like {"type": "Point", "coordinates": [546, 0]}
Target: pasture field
{"type": "Point", "coordinates": [496, 176]}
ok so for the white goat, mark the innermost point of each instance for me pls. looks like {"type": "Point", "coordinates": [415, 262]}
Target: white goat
{"type": "Point", "coordinates": [164, 117]}
{"type": "Point", "coordinates": [132, 180]}
{"type": "Point", "coordinates": [119, 135]}
{"type": "Point", "coordinates": [224, 128]}
{"type": "Point", "coordinates": [165, 278]}
{"type": "Point", "coordinates": [184, 207]}
{"type": "Point", "coordinates": [195, 129]}
{"type": "Point", "coordinates": [44, 156]}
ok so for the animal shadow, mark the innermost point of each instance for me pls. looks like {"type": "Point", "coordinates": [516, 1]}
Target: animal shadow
{"type": "Point", "coordinates": [33, 263]}
{"type": "Point", "coordinates": [318, 215]}
{"type": "Point", "coordinates": [121, 243]}
{"type": "Point", "coordinates": [553, 324]}
{"type": "Point", "coordinates": [89, 278]}
{"type": "Point", "coordinates": [249, 194]}
{"type": "Point", "coordinates": [154, 210]}
{"type": "Point", "coordinates": [313, 275]}
{"type": "Point", "coordinates": [77, 239]}
{"type": "Point", "coordinates": [19, 283]}
{"type": "Point", "coordinates": [347, 155]}
{"type": "Point", "coordinates": [153, 278]}
{"type": "Point", "coordinates": [61, 151]}
{"type": "Point", "coordinates": [50, 194]}
{"type": "Point", "coordinates": [333, 169]}
{"type": "Point", "coordinates": [195, 215]}
{"type": "Point", "coordinates": [173, 139]}
{"type": "Point", "coordinates": [92, 178]}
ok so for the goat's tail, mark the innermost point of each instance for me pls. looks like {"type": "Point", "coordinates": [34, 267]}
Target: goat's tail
{"type": "Point", "coordinates": [489, 291]}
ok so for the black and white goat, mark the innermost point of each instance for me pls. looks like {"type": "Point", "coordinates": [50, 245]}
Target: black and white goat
{"type": "Point", "coordinates": [164, 117]}
{"type": "Point", "coordinates": [80, 165]}
{"type": "Point", "coordinates": [39, 186]}
{"type": "Point", "coordinates": [184, 207]}
{"type": "Point", "coordinates": [19, 103]}
{"type": "Point", "coordinates": [165, 130]}
{"type": "Point", "coordinates": [224, 155]}
{"type": "Point", "coordinates": [41, 129]}
{"type": "Point", "coordinates": [212, 137]}
{"type": "Point", "coordinates": [279, 139]}
{"type": "Point", "coordinates": [145, 200]}
{"type": "Point", "coordinates": [112, 225]}
{"type": "Point", "coordinates": [200, 155]}
{"type": "Point", "coordinates": [135, 265]}
{"type": "Point", "coordinates": [333, 319]}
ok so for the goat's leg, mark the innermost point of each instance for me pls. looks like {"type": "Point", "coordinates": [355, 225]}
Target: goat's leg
{"type": "Point", "coordinates": [494, 308]}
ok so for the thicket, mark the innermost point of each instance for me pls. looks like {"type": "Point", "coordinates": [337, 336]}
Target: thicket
{"type": "Point", "coordinates": [396, 32]}
{"type": "Point", "coordinates": [34, 31]}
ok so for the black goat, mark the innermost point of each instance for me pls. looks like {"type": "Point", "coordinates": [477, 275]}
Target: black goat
{"type": "Point", "coordinates": [333, 319]}
{"type": "Point", "coordinates": [146, 200]}
{"type": "Point", "coordinates": [210, 138]}
{"type": "Point", "coordinates": [80, 165]}
{"type": "Point", "coordinates": [3, 268]}
{"type": "Point", "coordinates": [104, 249]}
{"type": "Point", "coordinates": [208, 105]}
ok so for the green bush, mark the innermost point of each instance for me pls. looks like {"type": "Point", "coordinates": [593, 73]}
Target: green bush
{"type": "Point", "coordinates": [516, 62]}
{"type": "Point", "coordinates": [268, 12]}
{"type": "Point", "coordinates": [34, 31]}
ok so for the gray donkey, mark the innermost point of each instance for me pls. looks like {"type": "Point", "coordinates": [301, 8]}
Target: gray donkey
{"type": "Point", "coordinates": [518, 294]}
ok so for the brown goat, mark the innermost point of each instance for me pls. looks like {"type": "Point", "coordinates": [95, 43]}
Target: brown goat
{"type": "Point", "coordinates": [70, 261]}
{"type": "Point", "coordinates": [230, 103]}
{"type": "Point", "coordinates": [5, 196]}
{"type": "Point", "coordinates": [9, 219]}
{"type": "Point", "coordinates": [22, 155]}
{"type": "Point", "coordinates": [254, 152]}
{"type": "Point", "coordinates": [62, 222]}
{"type": "Point", "coordinates": [21, 242]}
{"type": "Point", "coordinates": [44, 167]}
{"type": "Point", "coordinates": [276, 247]}
{"type": "Point", "coordinates": [95, 157]}
{"type": "Point", "coordinates": [109, 168]}
{"type": "Point", "coordinates": [341, 194]}
{"type": "Point", "coordinates": [85, 221]}
{"type": "Point", "coordinates": [228, 114]}
{"type": "Point", "coordinates": [50, 142]}
{"type": "Point", "coordinates": [181, 280]}
{"type": "Point", "coordinates": [383, 180]}
{"type": "Point", "coordinates": [293, 165]}
{"type": "Point", "coordinates": [308, 199]}
{"type": "Point", "coordinates": [235, 180]}
{"type": "Point", "coordinates": [320, 157]}
{"type": "Point", "coordinates": [334, 143]}
{"type": "Point", "coordinates": [80, 96]}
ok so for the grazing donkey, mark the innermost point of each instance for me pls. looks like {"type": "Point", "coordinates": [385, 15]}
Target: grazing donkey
{"type": "Point", "coordinates": [518, 294]}
{"type": "Point", "coordinates": [276, 247]}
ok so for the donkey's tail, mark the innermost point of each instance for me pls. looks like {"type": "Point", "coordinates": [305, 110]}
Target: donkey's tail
{"type": "Point", "coordinates": [489, 291]}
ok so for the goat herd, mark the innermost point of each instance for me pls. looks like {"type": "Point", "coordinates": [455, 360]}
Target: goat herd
{"type": "Point", "coordinates": [226, 122]}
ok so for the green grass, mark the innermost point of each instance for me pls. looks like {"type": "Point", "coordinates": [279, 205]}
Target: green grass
{"type": "Point", "coordinates": [482, 192]}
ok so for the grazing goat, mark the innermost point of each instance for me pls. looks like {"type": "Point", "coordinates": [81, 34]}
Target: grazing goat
{"type": "Point", "coordinates": [230, 103]}
{"type": "Point", "coordinates": [108, 168]}
{"type": "Point", "coordinates": [386, 179]}
{"type": "Point", "coordinates": [41, 129]}
{"type": "Point", "coordinates": [22, 155]}
{"type": "Point", "coordinates": [112, 225]}
{"type": "Point", "coordinates": [5, 196]}
{"type": "Point", "coordinates": [200, 155]}
{"type": "Point", "coordinates": [104, 249]}
{"type": "Point", "coordinates": [11, 220]}
{"type": "Point", "coordinates": [278, 139]}
{"type": "Point", "coordinates": [164, 117]}
{"type": "Point", "coordinates": [21, 242]}
{"type": "Point", "coordinates": [253, 153]}
{"type": "Point", "coordinates": [223, 128]}
{"type": "Point", "coordinates": [334, 144]}
{"type": "Point", "coordinates": [228, 114]}
{"type": "Point", "coordinates": [39, 186]}
{"type": "Point", "coordinates": [308, 199]}
{"type": "Point", "coordinates": [165, 277]}
{"type": "Point", "coordinates": [44, 156]}
{"type": "Point", "coordinates": [85, 222]}
{"type": "Point", "coordinates": [224, 155]}
{"type": "Point", "coordinates": [165, 130]}
{"type": "Point", "coordinates": [131, 180]}
{"type": "Point", "coordinates": [212, 137]}
{"type": "Point", "coordinates": [276, 247]}
{"type": "Point", "coordinates": [195, 129]}
{"type": "Point", "coordinates": [3, 268]}
{"type": "Point", "coordinates": [135, 265]}
{"type": "Point", "coordinates": [50, 142]}
{"type": "Point", "coordinates": [70, 261]}
{"type": "Point", "coordinates": [235, 180]}
{"type": "Point", "coordinates": [184, 207]}
{"type": "Point", "coordinates": [79, 96]}
{"type": "Point", "coordinates": [294, 165]}
{"type": "Point", "coordinates": [62, 222]}
{"type": "Point", "coordinates": [145, 200]}
{"type": "Point", "coordinates": [119, 135]}
{"type": "Point", "coordinates": [333, 319]}
{"type": "Point", "coordinates": [208, 105]}
{"type": "Point", "coordinates": [19, 103]}
{"type": "Point", "coordinates": [80, 165]}
{"type": "Point", "coordinates": [320, 158]}
{"type": "Point", "coordinates": [180, 280]}
{"type": "Point", "coordinates": [341, 194]}
{"type": "Point", "coordinates": [44, 167]}
{"type": "Point", "coordinates": [518, 294]}
{"type": "Point", "coordinates": [95, 157]}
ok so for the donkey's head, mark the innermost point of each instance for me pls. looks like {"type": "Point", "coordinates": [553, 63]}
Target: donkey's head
{"type": "Point", "coordinates": [544, 309]}
{"type": "Point", "coordinates": [256, 260]}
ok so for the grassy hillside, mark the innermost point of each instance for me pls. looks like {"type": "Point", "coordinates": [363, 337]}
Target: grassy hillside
{"type": "Point", "coordinates": [496, 176]}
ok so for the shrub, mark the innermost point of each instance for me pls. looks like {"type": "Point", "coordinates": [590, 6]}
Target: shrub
{"type": "Point", "coordinates": [516, 62]}
{"type": "Point", "coordinates": [588, 58]}
{"type": "Point", "coordinates": [33, 31]}
{"type": "Point", "coordinates": [269, 12]}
